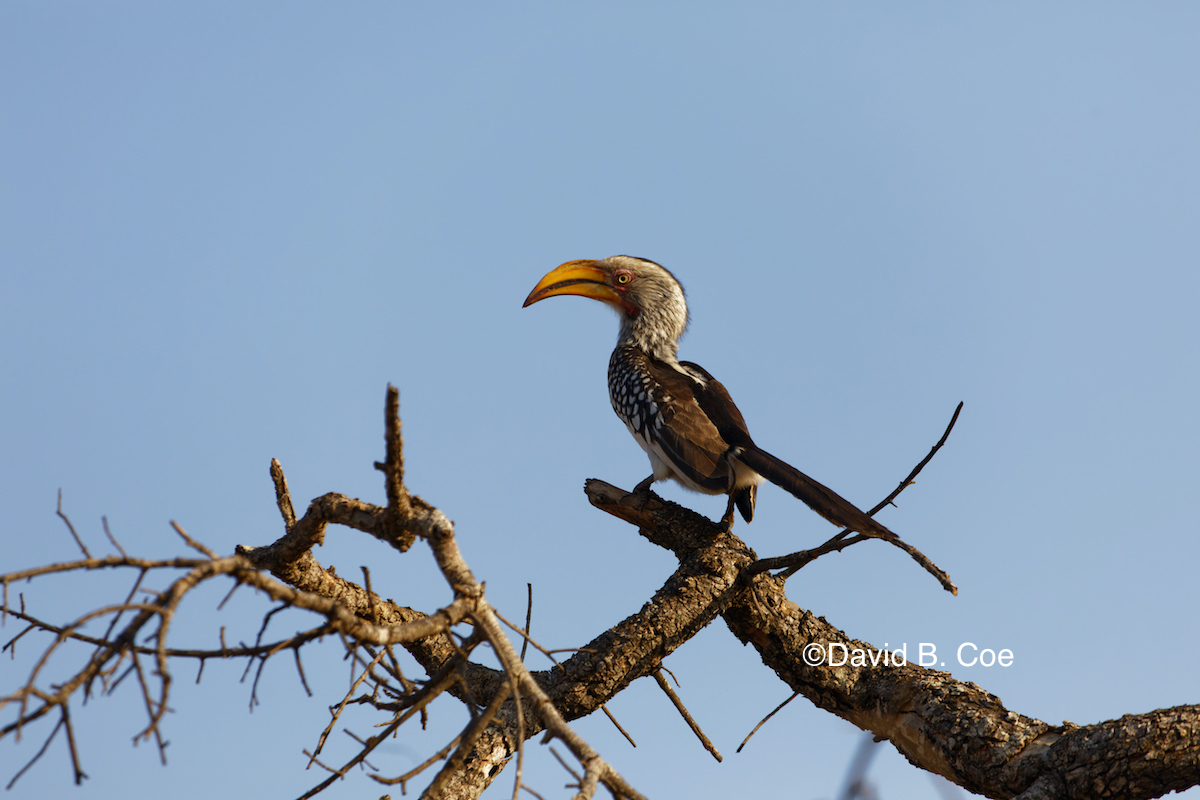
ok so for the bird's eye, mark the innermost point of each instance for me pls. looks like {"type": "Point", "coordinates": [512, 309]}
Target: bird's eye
{"type": "Point", "coordinates": [622, 278]}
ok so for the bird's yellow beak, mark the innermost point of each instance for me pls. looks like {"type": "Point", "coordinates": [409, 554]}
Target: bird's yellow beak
{"type": "Point", "coordinates": [584, 278]}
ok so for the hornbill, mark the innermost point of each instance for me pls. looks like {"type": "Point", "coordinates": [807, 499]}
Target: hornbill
{"type": "Point", "coordinates": [682, 416]}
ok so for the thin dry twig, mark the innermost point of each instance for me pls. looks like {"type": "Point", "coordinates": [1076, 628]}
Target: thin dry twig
{"type": "Point", "coordinates": [904, 484]}
{"type": "Point", "coordinates": [337, 712]}
{"type": "Point", "coordinates": [596, 769]}
{"type": "Point", "coordinates": [527, 639]}
{"type": "Point", "coordinates": [62, 720]}
{"type": "Point", "coordinates": [763, 721]}
{"type": "Point", "coordinates": [704, 740]}
{"type": "Point", "coordinates": [71, 527]}
{"type": "Point", "coordinates": [839, 541]}
{"type": "Point", "coordinates": [148, 701]}
{"type": "Point", "coordinates": [436, 686]}
{"type": "Point", "coordinates": [223, 652]}
{"type": "Point", "coordinates": [617, 725]}
{"type": "Point", "coordinates": [283, 498]}
{"type": "Point", "coordinates": [528, 619]}
{"type": "Point", "coordinates": [403, 780]}
{"type": "Point", "coordinates": [111, 538]}
{"type": "Point", "coordinates": [520, 708]}
{"type": "Point", "coordinates": [567, 767]}
{"type": "Point", "coordinates": [192, 543]}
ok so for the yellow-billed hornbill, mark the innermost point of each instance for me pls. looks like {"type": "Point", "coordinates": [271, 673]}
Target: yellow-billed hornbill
{"type": "Point", "coordinates": [683, 417]}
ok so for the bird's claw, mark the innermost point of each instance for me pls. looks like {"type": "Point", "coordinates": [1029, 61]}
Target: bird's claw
{"type": "Point", "coordinates": [641, 492]}
{"type": "Point", "coordinates": [726, 522]}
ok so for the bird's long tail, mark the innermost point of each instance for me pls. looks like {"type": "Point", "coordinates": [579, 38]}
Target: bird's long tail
{"type": "Point", "coordinates": [820, 498]}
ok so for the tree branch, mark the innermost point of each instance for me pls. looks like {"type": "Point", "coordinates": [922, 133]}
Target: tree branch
{"type": "Point", "coordinates": [945, 726]}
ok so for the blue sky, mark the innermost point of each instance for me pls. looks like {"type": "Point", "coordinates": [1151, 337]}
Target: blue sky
{"type": "Point", "coordinates": [225, 227]}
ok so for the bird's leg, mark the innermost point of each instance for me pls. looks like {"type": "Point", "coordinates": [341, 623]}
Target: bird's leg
{"type": "Point", "coordinates": [727, 520]}
{"type": "Point", "coordinates": [642, 492]}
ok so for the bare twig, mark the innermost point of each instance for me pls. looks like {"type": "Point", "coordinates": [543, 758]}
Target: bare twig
{"type": "Point", "coordinates": [527, 639]}
{"type": "Point", "coordinates": [596, 769]}
{"type": "Point", "coordinates": [223, 652]}
{"type": "Point", "coordinates": [704, 740]}
{"type": "Point", "coordinates": [283, 497]}
{"type": "Point", "coordinates": [192, 543]}
{"type": "Point", "coordinates": [111, 538]}
{"type": "Point", "coordinates": [436, 686]}
{"type": "Point", "coordinates": [520, 708]}
{"type": "Point", "coordinates": [71, 527]}
{"type": "Point", "coordinates": [399, 501]}
{"type": "Point", "coordinates": [528, 619]}
{"type": "Point", "coordinates": [148, 701]}
{"type": "Point", "coordinates": [796, 561]}
{"type": "Point", "coordinates": [403, 780]}
{"type": "Point", "coordinates": [617, 725]}
{"type": "Point", "coordinates": [36, 756]}
{"type": "Point", "coordinates": [904, 484]}
{"type": "Point", "coordinates": [338, 711]}
{"type": "Point", "coordinates": [567, 767]}
{"type": "Point", "coordinates": [763, 721]}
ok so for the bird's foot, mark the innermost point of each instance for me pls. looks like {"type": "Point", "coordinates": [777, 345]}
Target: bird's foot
{"type": "Point", "coordinates": [641, 492]}
{"type": "Point", "coordinates": [727, 520]}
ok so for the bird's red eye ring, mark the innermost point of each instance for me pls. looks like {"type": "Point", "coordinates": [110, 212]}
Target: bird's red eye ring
{"type": "Point", "coordinates": [623, 278]}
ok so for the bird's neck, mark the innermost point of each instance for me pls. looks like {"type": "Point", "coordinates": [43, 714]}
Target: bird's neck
{"type": "Point", "coordinates": [657, 338]}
